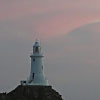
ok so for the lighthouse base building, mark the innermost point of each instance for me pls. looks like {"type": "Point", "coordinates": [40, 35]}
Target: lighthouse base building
{"type": "Point", "coordinates": [37, 76]}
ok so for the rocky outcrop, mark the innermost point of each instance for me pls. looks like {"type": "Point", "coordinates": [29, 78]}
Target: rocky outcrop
{"type": "Point", "coordinates": [31, 93]}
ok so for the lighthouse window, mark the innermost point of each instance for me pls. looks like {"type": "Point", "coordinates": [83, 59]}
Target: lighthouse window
{"type": "Point", "coordinates": [37, 49]}
{"type": "Point", "coordinates": [24, 81]}
{"type": "Point", "coordinates": [42, 67]}
{"type": "Point", "coordinates": [33, 59]}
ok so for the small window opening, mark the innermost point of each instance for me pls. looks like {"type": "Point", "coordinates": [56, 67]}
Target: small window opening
{"type": "Point", "coordinates": [42, 67]}
{"type": "Point", "coordinates": [33, 59]}
{"type": "Point", "coordinates": [24, 81]}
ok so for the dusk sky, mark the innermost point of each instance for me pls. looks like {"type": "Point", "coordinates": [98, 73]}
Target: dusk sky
{"type": "Point", "coordinates": [48, 18]}
{"type": "Point", "coordinates": [69, 31]}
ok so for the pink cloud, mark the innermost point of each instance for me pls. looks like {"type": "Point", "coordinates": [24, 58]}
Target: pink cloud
{"type": "Point", "coordinates": [54, 18]}
{"type": "Point", "coordinates": [62, 24]}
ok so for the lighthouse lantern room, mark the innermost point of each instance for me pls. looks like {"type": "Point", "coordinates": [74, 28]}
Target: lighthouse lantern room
{"type": "Point", "coordinates": [36, 74]}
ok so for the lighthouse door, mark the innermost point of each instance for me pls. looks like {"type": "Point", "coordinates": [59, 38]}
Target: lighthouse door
{"type": "Point", "coordinates": [33, 75]}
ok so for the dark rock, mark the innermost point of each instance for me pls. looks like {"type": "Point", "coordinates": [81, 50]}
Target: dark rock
{"type": "Point", "coordinates": [31, 93]}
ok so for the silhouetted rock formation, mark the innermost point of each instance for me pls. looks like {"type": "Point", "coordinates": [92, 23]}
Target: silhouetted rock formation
{"type": "Point", "coordinates": [31, 93]}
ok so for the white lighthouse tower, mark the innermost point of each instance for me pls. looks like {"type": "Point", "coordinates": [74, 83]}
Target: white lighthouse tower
{"type": "Point", "coordinates": [36, 74]}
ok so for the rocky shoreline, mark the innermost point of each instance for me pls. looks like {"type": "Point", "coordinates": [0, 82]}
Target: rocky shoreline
{"type": "Point", "coordinates": [31, 93]}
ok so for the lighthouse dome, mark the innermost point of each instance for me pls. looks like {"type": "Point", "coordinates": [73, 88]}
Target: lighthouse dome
{"type": "Point", "coordinates": [36, 44]}
{"type": "Point", "coordinates": [36, 48]}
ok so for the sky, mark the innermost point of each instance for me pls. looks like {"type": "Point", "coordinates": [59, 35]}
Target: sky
{"type": "Point", "coordinates": [46, 18]}
{"type": "Point", "coordinates": [69, 33]}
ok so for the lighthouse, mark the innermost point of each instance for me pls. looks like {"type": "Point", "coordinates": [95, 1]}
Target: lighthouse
{"type": "Point", "coordinates": [37, 76]}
